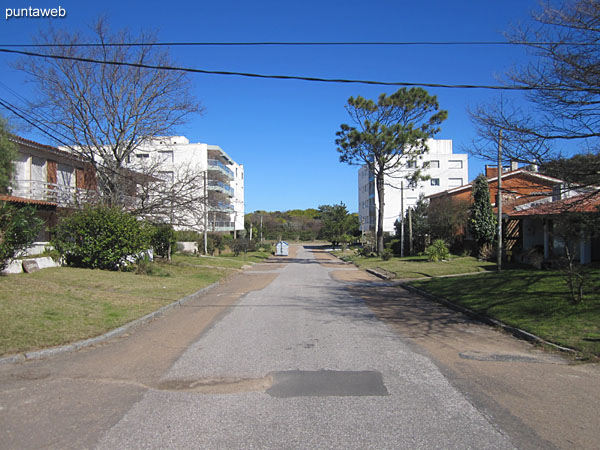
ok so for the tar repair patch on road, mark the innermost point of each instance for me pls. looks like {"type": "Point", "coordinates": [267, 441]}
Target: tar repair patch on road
{"type": "Point", "coordinates": [327, 383]}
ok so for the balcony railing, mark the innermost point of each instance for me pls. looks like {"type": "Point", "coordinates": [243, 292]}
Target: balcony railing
{"type": "Point", "coordinates": [62, 195]}
{"type": "Point", "coordinates": [65, 196]}
{"type": "Point", "coordinates": [216, 185]}
{"type": "Point", "coordinates": [221, 207]}
{"type": "Point", "coordinates": [218, 165]}
{"type": "Point", "coordinates": [220, 226]}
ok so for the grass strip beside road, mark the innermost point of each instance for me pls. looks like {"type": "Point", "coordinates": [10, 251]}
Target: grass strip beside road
{"type": "Point", "coordinates": [63, 305]}
{"type": "Point", "coordinates": [532, 300]}
{"type": "Point", "coordinates": [417, 266]}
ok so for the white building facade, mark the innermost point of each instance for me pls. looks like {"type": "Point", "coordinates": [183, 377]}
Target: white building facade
{"type": "Point", "coordinates": [223, 188]}
{"type": "Point", "coordinates": [445, 169]}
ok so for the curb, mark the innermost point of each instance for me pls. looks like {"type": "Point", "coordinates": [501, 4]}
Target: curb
{"type": "Point", "coordinates": [378, 274]}
{"type": "Point", "coordinates": [67, 348]}
{"type": "Point", "coordinates": [517, 332]}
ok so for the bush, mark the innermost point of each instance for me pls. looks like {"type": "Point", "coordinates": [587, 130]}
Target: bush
{"type": "Point", "coordinates": [242, 245]}
{"type": "Point", "coordinates": [387, 254]}
{"type": "Point", "coordinates": [264, 246]}
{"type": "Point", "coordinates": [100, 238]}
{"type": "Point", "coordinates": [18, 229]}
{"type": "Point", "coordinates": [163, 240]}
{"type": "Point", "coordinates": [487, 252]}
{"type": "Point", "coordinates": [189, 236]}
{"type": "Point", "coordinates": [438, 251]}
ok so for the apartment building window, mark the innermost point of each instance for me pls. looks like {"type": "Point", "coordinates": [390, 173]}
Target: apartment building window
{"type": "Point", "coordinates": [166, 155]}
{"type": "Point", "coordinates": [435, 181]}
{"type": "Point", "coordinates": [432, 164]}
{"type": "Point", "coordinates": [412, 165]}
{"type": "Point", "coordinates": [455, 164]}
{"type": "Point", "coordinates": [455, 182]}
{"type": "Point", "coordinates": [142, 155]}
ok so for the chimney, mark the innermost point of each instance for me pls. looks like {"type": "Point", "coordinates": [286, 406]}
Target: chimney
{"type": "Point", "coordinates": [514, 165]}
{"type": "Point", "coordinates": [491, 171]}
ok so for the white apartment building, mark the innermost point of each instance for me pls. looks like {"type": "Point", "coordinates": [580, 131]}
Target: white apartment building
{"type": "Point", "coordinates": [224, 178]}
{"type": "Point", "coordinates": [445, 169]}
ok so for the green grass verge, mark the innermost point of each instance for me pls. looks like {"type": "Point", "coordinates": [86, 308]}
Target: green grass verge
{"type": "Point", "coordinates": [535, 301]}
{"type": "Point", "coordinates": [225, 260]}
{"type": "Point", "coordinates": [418, 266]}
{"type": "Point", "coordinates": [62, 305]}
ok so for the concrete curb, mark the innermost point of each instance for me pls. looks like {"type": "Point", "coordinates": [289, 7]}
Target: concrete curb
{"type": "Point", "coordinates": [517, 332]}
{"type": "Point", "coordinates": [49, 352]}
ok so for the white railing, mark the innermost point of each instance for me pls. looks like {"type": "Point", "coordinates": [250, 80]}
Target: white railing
{"type": "Point", "coordinates": [212, 163]}
{"type": "Point", "coordinates": [60, 194]}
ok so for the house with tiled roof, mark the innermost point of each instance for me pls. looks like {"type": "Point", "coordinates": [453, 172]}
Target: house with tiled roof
{"type": "Point", "coordinates": [49, 179]}
{"type": "Point", "coordinates": [538, 221]}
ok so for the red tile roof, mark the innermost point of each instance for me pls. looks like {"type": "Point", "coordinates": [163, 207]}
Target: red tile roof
{"type": "Point", "coordinates": [589, 202]}
{"type": "Point", "coordinates": [28, 201]}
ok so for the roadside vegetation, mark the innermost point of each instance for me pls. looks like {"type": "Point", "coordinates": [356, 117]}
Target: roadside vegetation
{"type": "Point", "coordinates": [417, 266]}
{"type": "Point", "coordinates": [533, 300]}
{"type": "Point", "coordinates": [65, 304]}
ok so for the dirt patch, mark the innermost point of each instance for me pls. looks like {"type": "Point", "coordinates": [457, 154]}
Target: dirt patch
{"type": "Point", "coordinates": [218, 385]}
{"type": "Point", "coordinates": [352, 275]}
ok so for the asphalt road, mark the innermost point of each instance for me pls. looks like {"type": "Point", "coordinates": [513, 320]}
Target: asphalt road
{"type": "Point", "coordinates": [304, 353]}
{"type": "Point", "coordinates": [302, 364]}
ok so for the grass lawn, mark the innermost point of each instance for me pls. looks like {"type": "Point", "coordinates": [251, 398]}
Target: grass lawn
{"type": "Point", "coordinates": [61, 305]}
{"type": "Point", "coordinates": [533, 300]}
{"type": "Point", "coordinates": [418, 266]}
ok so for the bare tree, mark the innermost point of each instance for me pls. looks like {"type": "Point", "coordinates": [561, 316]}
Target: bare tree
{"type": "Point", "coordinates": [105, 112]}
{"type": "Point", "coordinates": [176, 196]}
{"type": "Point", "coordinates": [561, 85]}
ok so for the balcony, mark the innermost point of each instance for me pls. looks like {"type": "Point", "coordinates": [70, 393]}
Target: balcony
{"type": "Point", "coordinates": [219, 186]}
{"type": "Point", "coordinates": [220, 226]}
{"type": "Point", "coordinates": [64, 196]}
{"type": "Point", "coordinates": [218, 166]}
{"type": "Point", "coordinates": [221, 207]}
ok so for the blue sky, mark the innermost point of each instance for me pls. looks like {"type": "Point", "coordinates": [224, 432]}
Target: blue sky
{"type": "Point", "coordinates": [284, 131]}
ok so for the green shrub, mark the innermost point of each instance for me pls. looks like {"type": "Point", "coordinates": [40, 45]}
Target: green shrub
{"type": "Point", "coordinates": [18, 229]}
{"type": "Point", "coordinates": [163, 240]}
{"type": "Point", "coordinates": [387, 254]}
{"type": "Point", "coordinates": [189, 236]}
{"type": "Point", "coordinates": [437, 251]}
{"type": "Point", "coordinates": [242, 245]}
{"type": "Point", "coordinates": [264, 246]}
{"type": "Point", "coordinates": [100, 238]}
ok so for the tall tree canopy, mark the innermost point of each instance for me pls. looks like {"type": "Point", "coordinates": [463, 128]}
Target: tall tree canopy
{"type": "Point", "coordinates": [7, 157]}
{"type": "Point", "coordinates": [106, 111]}
{"type": "Point", "coordinates": [338, 225]}
{"type": "Point", "coordinates": [387, 135]}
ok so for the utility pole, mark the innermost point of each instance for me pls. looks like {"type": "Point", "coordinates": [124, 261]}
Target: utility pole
{"type": "Point", "coordinates": [402, 219]}
{"type": "Point", "coordinates": [205, 213]}
{"type": "Point", "coordinates": [234, 222]}
{"type": "Point", "coordinates": [410, 233]}
{"type": "Point", "coordinates": [499, 203]}
{"type": "Point", "coordinates": [251, 230]}
{"type": "Point", "coordinates": [260, 228]}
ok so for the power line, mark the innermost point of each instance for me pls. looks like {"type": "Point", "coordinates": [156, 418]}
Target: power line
{"type": "Point", "coordinates": [281, 77]}
{"type": "Point", "coordinates": [300, 44]}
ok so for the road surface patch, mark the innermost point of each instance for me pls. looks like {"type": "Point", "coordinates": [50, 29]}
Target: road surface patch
{"type": "Point", "coordinates": [327, 383]}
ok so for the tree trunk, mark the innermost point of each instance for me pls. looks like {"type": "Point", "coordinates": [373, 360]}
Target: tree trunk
{"type": "Point", "coordinates": [380, 212]}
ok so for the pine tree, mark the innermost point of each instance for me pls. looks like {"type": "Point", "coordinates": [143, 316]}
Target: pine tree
{"type": "Point", "coordinates": [482, 222]}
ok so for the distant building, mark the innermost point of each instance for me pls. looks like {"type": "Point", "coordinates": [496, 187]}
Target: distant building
{"type": "Point", "coordinates": [224, 178]}
{"type": "Point", "coordinates": [446, 170]}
